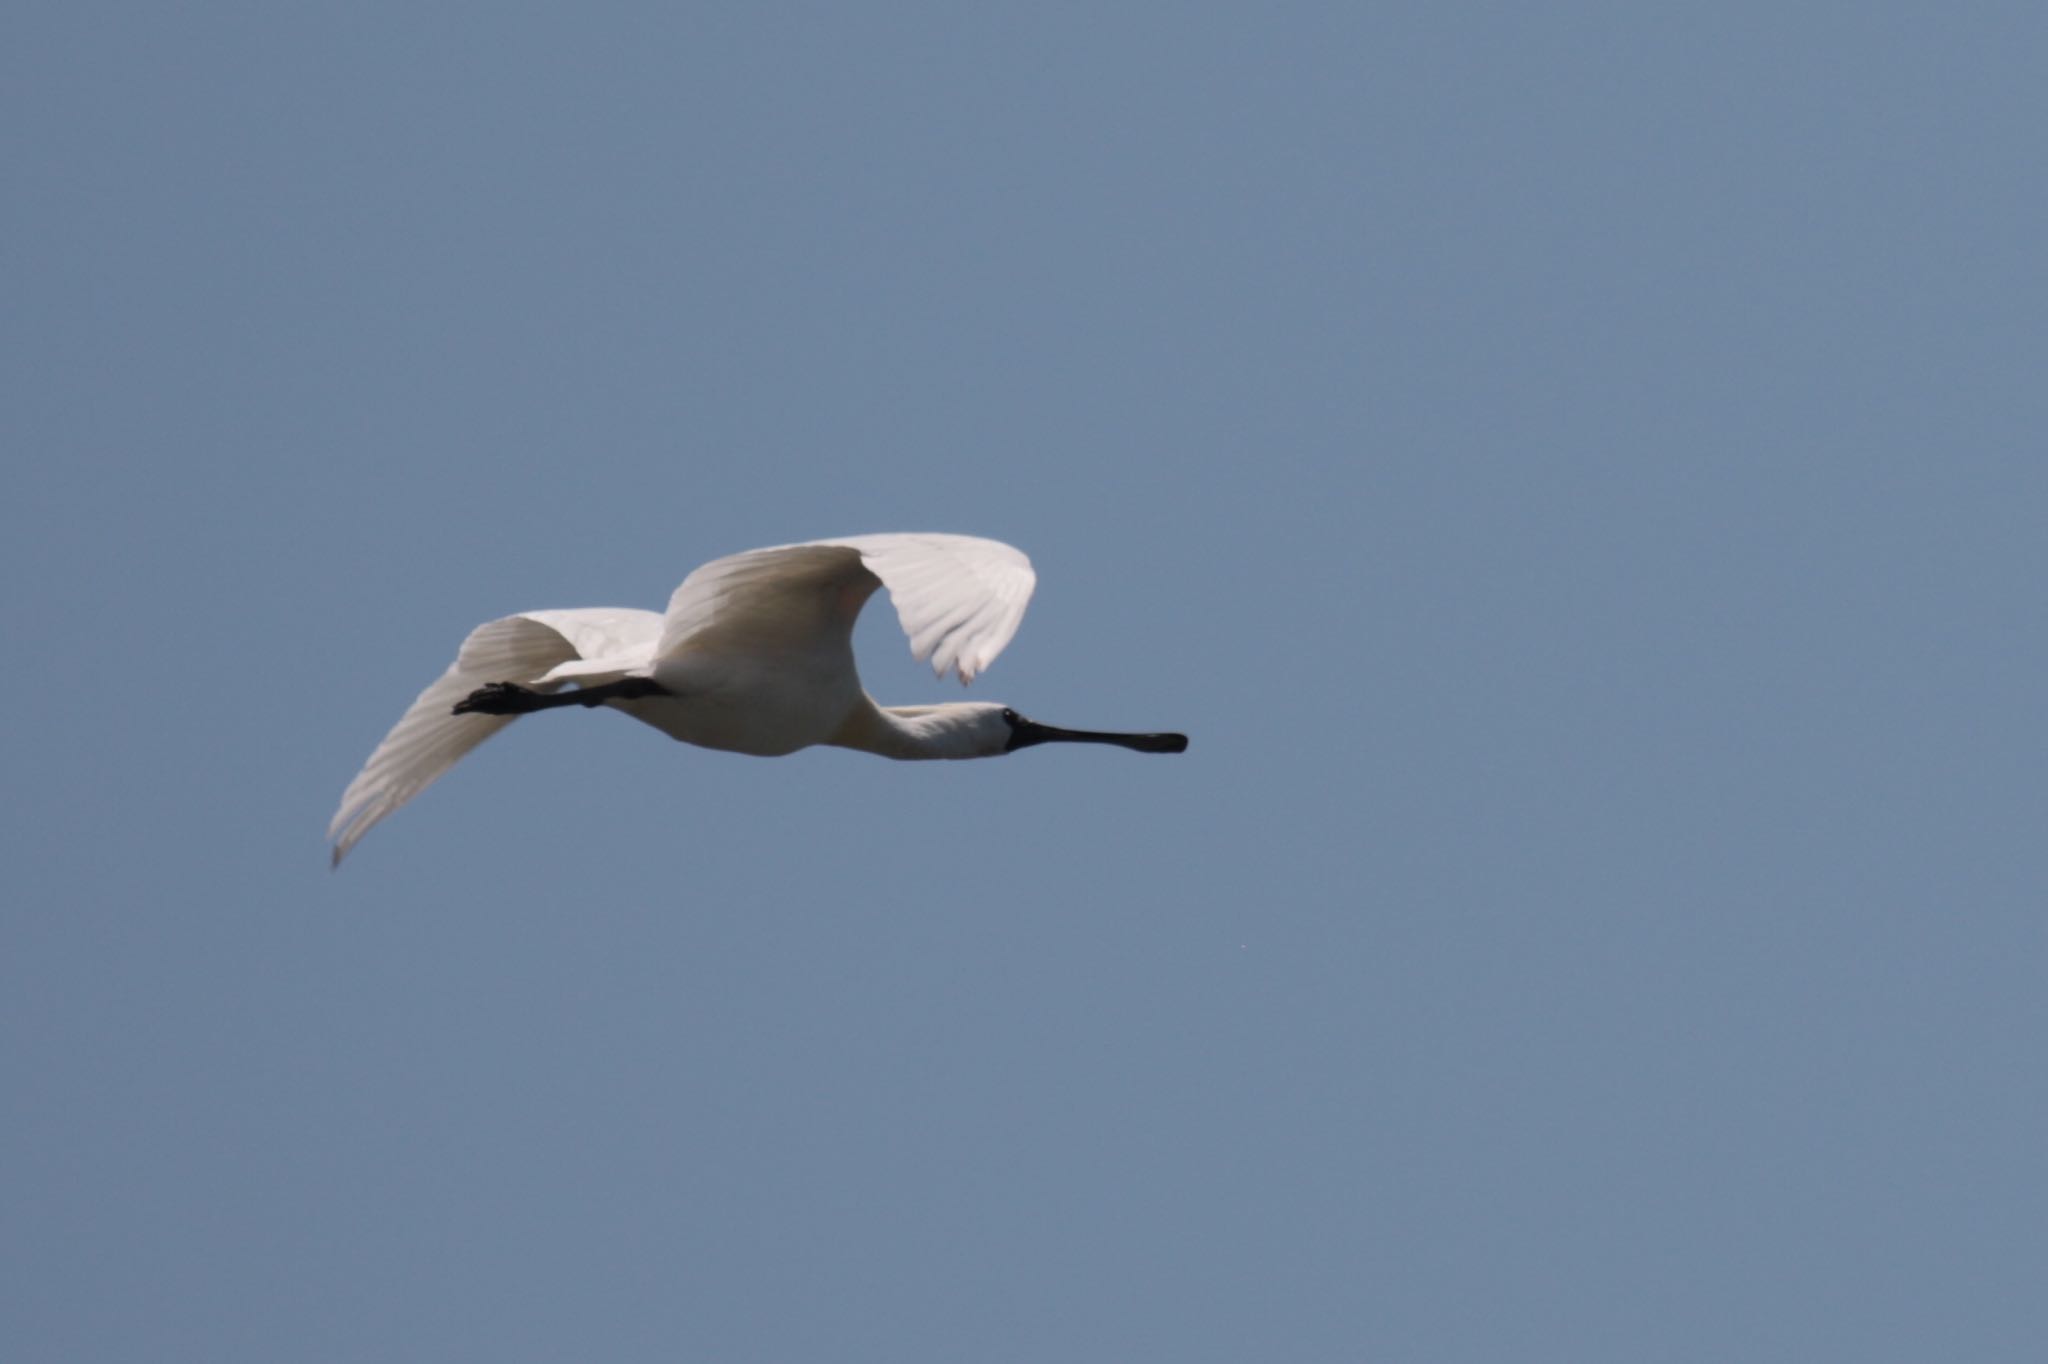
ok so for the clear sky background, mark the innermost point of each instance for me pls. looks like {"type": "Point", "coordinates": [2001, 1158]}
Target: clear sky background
{"type": "Point", "coordinates": [1576, 472]}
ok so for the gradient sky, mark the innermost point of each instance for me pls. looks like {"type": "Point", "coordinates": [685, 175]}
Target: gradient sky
{"type": "Point", "coordinates": [1576, 472]}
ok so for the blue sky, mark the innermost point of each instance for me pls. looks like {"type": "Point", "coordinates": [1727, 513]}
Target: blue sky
{"type": "Point", "coordinates": [1574, 471]}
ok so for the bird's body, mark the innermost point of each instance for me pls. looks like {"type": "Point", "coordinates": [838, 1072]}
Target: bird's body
{"type": "Point", "coordinates": [754, 655]}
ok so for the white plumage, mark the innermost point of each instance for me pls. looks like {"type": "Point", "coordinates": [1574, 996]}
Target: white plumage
{"type": "Point", "coordinates": [754, 655]}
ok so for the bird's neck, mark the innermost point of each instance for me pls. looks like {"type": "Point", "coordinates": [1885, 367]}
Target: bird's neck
{"type": "Point", "coordinates": [908, 732]}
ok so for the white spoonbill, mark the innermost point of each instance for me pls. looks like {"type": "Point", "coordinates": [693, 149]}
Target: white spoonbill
{"type": "Point", "coordinates": [754, 655]}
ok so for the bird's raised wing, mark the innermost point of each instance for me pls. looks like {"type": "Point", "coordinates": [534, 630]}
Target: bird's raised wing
{"type": "Point", "coordinates": [539, 649]}
{"type": "Point", "coordinates": [959, 598]}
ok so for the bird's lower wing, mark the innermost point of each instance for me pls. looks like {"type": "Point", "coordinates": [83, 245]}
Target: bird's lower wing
{"type": "Point", "coordinates": [538, 649]}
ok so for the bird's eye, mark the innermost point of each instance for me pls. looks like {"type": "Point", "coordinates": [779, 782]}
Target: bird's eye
{"type": "Point", "coordinates": [1011, 716]}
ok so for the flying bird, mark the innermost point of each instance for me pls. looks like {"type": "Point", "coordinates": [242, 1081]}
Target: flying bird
{"type": "Point", "coordinates": [754, 655]}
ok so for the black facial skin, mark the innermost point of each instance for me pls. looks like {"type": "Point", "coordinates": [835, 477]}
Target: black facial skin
{"type": "Point", "coordinates": [1024, 733]}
